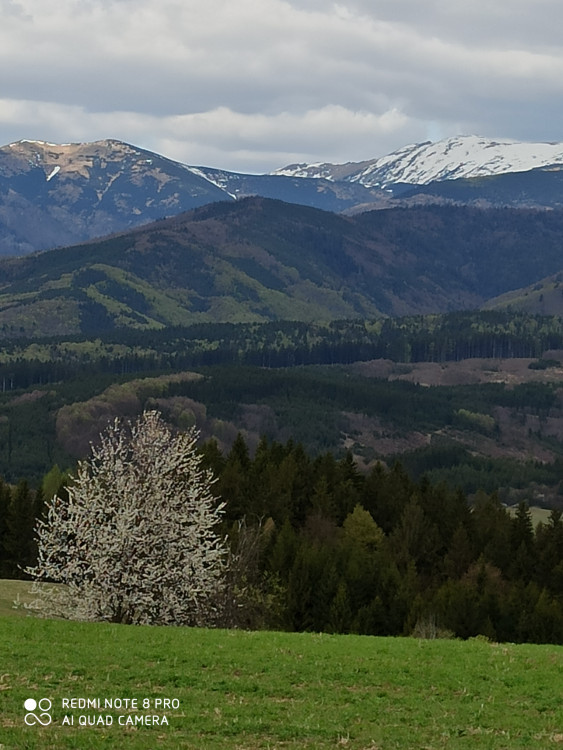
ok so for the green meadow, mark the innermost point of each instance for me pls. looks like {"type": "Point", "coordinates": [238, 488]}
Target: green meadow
{"type": "Point", "coordinates": [247, 690]}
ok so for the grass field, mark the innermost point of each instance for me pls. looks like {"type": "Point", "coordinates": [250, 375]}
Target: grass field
{"type": "Point", "coordinates": [242, 691]}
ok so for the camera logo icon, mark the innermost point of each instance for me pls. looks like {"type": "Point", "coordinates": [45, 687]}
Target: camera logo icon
{"type": "Point", "coordinates": [43, 715]}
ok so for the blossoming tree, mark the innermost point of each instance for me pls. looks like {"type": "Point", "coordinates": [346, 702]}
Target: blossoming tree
{"type": "Point", "coordinates": [136, 542]}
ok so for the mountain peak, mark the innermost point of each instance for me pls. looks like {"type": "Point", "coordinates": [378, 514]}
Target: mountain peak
{"type": "Point", "coordinates": [68, 157]}
{"type": "Point", "coordinates": [73, 192]}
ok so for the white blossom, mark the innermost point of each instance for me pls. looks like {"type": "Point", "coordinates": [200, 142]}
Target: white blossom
{"type": "Point", "coordinates": [136, 541]}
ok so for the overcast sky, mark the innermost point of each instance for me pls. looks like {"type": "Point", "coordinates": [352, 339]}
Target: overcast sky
{"type": "Point", "coordinates": [252, 85]}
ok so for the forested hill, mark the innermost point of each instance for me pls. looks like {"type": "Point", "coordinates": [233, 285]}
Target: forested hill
{"type": "Point", "coordinates": [259, 260]}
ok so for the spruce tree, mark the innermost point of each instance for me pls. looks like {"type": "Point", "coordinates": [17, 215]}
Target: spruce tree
{"type": "Point", "coordinates": [20, 520]}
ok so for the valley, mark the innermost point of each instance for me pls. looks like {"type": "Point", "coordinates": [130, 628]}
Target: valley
{"type": "Point", "coordinates": [374, 369]}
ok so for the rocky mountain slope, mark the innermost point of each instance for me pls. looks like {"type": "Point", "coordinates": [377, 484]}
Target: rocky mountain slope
{"type": "Point", "coordinates": [541, 187]}
{"type": "Point", "coordinates": [72, 192]}
{"type": "Point", "coordinates": [53, 195]}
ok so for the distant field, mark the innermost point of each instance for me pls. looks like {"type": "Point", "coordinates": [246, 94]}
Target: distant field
{"type": "Point", "coordinates": [539, 515]}
{"type": "Point", "coordinates": [464, 372]}
{"type": "Point", "coordinates": [235, 690]}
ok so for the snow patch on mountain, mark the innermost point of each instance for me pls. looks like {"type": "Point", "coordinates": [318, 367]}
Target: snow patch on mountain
{"type": "Point", "coordinates": [55, 171]}
{"type": "Point", "coordinates": [215, 177]}
{"type": "Point", "coordinates": [313, 171]}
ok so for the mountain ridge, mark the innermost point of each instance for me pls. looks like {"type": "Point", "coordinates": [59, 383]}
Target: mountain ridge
{"type": "Point", "coordinates": [57, 195]}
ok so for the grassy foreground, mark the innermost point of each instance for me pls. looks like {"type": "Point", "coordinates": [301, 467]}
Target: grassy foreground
{"type": "Point", "coordinates": [241, 690]}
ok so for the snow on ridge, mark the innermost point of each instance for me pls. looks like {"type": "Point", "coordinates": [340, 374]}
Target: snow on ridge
{"type": "Point", "coordinates": [451, 158]}
{"type": "Point", "coordinates": [416, 164]}
{"type": "Point", "coordinates": [465, 156]}
{"type": "Point", "coordinates": [38, 143]}
{"type": "Point", "coordinates": [316, 170]}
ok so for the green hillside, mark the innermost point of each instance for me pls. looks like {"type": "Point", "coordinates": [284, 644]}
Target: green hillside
{"type": "Point", "coordinates": [200, 267]}
{"type": "Point", "coordinates": [258, 260]}
{"type": "Point", "coordinates": [230, 690]}
{"type": "Point", "coordinates": [544, 297]}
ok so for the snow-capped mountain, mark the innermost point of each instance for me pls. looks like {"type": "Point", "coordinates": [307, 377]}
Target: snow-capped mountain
{"type": "Point", "coordinates": [452, 158]}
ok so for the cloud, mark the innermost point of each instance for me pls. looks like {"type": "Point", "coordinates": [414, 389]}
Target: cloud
{"type": "Point", "coordinates": [219, 137]}
{"type": "Point", "coordinates": [247, 85]}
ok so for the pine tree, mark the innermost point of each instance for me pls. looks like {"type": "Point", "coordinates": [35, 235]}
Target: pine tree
{"type": "Point", "coordinates": [5, 497]}
{"type": "Point", "coordinates": [234, 480]}
{"type": "Point", "coordinates": [135, 541]}
{"type": "Point", "coordinates": [20, 519]}
{"type": "Point", "coordinates": [523, 561]}
{"type": "Point", "coordinates": [550, 552]}
{"type": "Point", "coordinates": [340, 614]}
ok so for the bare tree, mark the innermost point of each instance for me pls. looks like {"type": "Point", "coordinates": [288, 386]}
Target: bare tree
{"type": "Point", "coordinates": [136, 541]}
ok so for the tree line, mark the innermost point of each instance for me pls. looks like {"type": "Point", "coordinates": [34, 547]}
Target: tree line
{"type": "Point", "coordinates": [420, 338]}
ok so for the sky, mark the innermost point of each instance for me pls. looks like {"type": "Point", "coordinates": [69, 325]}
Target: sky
{"type": "Point", "coordinates": [254, 85]}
